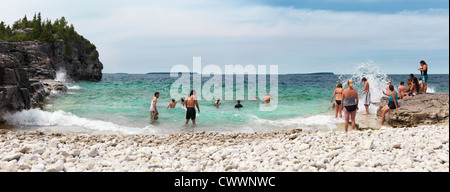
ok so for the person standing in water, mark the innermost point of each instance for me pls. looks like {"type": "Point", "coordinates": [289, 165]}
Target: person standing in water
{"type": "Point", "coordinates": [153, 111]}
{"type": "Point", "coordinates": [393, 103]}
{"type": "Point", "coordinates": [424, 73]}
{"type": "Point", "coordinates": [172, 104]}
{"type": "Point", "coordinates": [338, 104]}
{"type": "Point", "coordinates": [267, 98]}
{"type": "Point", "coordinates": [217, 103]}
{"type": "Point", "coordinates": [238, 105]}
{"type": "Point", "coordinates": [191, 102]}
{"type": "Point", "coordinates": [366, 90]}
{"type": "Point", "coordinates": [350, 102]}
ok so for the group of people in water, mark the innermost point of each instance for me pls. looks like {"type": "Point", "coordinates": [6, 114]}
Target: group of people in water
{"type": "Point", "coordinates": [348, 99]}
{"type": "Point", "coordinates": [190, 103]}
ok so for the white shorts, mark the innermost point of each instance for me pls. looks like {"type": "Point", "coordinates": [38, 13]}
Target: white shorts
{"type": "Point", "coordinates": [366, 100]}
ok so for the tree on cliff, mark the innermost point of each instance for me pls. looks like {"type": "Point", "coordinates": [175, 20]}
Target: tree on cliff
{"type": "Point", "coordinates": [45, 31]}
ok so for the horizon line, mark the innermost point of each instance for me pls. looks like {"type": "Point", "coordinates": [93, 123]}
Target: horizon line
{"type": "Point", "coordinates": [150, 73]}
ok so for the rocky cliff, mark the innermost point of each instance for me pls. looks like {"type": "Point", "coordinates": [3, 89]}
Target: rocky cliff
{"type": "Point", "coordinates": [28, 70]}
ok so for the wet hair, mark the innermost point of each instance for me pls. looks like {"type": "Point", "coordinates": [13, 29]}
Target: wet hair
{"type": "Point", "coordinates": [402, 83]}
{"type": "Point", "coordinates": [350, 84]}
{"type": "Point", "coordinates": [391, 87]}
{"type": "Point", "coordinates": [192, 93]}
{"type": "Point", "coordinates": [416, 84]}
{"type": "Point", "coordinates": [423, 62]}
{"type": "Point", "coordinates": [173, 100]}
{"type": "Point", "coordinates": [182, 99]}
{"type": "Point", "coordinates": [363, 79]}
{"type": "Point", "coordinates": [156, 93]}
{"type": "Point", "coordinates": [339, 85]}
{"type": "Point", "coordinates": [239, 101]}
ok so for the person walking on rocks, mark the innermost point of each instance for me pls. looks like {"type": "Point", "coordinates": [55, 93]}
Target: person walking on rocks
{"type": "Point", "coordinates": [153, 111]}
{"type": "Point", "coordinates": [366, 90]}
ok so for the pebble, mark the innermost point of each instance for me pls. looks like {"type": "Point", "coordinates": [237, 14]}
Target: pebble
{"type": "Point", "coordinates": [53, 143]}
{"type": "Point", "coordinates": [93, 152]}
{"type": "Point", "coordinates": [423, 148]}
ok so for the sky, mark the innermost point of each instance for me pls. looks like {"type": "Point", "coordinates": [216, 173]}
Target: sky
{"type": "Point", "coordinates": [140, 36]}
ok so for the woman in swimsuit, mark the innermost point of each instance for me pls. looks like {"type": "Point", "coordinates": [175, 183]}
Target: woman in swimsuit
{"type": "Point", "coordinates": [338, 104]}
{"type": "Point", "coordinates": [405, 94]}
{"type": "Point", "coordinates": [424, 74]}
{"type": "Point", "coordinates": [350, 103]}
{"type": "Point", "coordinates": [393, 103]}
{"type": "Point", "coordinates": [414, 90]}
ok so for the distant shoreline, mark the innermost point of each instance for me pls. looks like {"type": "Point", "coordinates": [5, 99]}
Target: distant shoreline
{"type": "Point", "coordinates": [319, 73]}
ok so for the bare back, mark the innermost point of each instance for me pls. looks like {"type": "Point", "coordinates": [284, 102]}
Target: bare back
{"type": "Point", "coordinates": [191, 102]}
{"type": "Point", "coordinates": [401, 88]}
{"type": "Point", "coordinates": [366, 87]}
{"type": "Point", "coordinates": [350, 93]}
{"type": "Point", "coordinates": [339, 92]}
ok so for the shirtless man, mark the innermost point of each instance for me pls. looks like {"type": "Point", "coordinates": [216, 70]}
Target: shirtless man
{"type": "Point", "coordinates": [191, 102]}
{"type": "Point", "coordinates": [172, 104]}
{"type": "Point", "coordinates": [401, 90]}
{"type": "Point", "coordinates": [366, 99]}
{"type": "Point", "coordinates": [267, 98]}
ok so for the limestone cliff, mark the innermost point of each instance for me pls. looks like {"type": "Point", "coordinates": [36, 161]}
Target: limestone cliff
{"type": "Point", "coordinates": [28, 70]}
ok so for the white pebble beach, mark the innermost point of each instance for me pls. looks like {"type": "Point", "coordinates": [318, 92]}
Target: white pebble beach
{"type": "Point", "coordinates": [417, 149]}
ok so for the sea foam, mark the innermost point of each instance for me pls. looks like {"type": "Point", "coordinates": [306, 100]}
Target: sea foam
{"type": "Point", "coordinates": [59, 119]}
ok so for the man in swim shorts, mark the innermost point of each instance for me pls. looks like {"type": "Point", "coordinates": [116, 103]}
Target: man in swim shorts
{"type": "Point", "coordinates": [366, 99]}
{"type": "Point", "coordinates": [191, 102]}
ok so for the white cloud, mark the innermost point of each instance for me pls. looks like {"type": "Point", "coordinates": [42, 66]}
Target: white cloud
{"type": "Point", "coordinates": [160, 28]}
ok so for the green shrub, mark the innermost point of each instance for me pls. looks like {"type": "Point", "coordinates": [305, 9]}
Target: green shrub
{"type": "Point", "coordinates": [41, 30]}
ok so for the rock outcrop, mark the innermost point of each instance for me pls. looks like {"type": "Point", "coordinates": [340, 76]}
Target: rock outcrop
{"type": "Point", "coordinates": [420, 110]}
{"type": "Point", "coordinates": [27, 77]}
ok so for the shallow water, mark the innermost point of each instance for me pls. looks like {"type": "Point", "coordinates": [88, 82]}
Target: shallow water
{"type": "Point", "coordinates": [120, 102]}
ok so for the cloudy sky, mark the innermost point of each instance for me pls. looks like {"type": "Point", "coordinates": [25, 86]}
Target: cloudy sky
{"type": "Point", "coordinates": [140, 36]}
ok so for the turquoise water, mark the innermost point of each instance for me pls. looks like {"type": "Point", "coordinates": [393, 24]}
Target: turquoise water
{"type": "Point", "coordinates": [120, 103]}
{"type": "Point", "coordinates": [124, 100]}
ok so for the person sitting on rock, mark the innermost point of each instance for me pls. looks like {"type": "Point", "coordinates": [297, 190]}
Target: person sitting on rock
{"type": "Point", "coordinates": [401, 90]}
{"type": "Point", "coordinates": [393, 103]}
